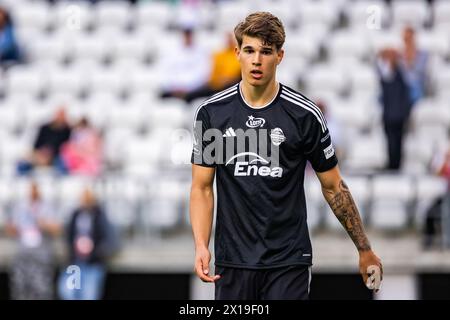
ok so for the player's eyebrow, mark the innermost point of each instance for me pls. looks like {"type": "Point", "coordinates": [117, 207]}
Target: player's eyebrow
{"type": "Point", "coordinates": [262, 47]}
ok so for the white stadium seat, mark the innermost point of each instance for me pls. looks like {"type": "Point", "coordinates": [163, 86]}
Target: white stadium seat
{"type": "Point", "coordinates": [407, 12]}
{"type": "Point", "coordinates": [35, 15]}
{"type": "Point", "coordinates": [146, 79]}
{"type": "Point", "coordinates": [351, 115]}
{"type": "Point", "coordinates": [106, 80]}
{"type": "Point", "coordinates": [363, 78]}
{"type": "Point", "coordinates": [367, 14]}
{"type": "Point", "coordinates": [142, 151]}
{"type": "Point", "coordinates": [162, 207]}
{"type": "Point", "coordinates": [326, 77]}
{"type": "Point", "coordinates": [301, 44]}
{"type": "Point", "coordinates": [391, 199]}
{"type": "Point", "coordinates": [431, 112]}
{"type": "Point", "coordinates": [317, 13]}
{"type": "Point", "coordinates": [132, 47]}
{"type": "Point", "coordinates": [345, 44]}
{"type": "Point", "coordinates": [116, 14]}
{"type": "Point", "coordinates": [55, 48]}
{"type": "Point", "coordinates": [115, 144]}
{"type": "Point", "coordinates": [152, 13]}
{"type": "Point", "coordinates": [389, 215]}
{"type": "Point", "coordinates": [10, 118]}
{"type": "Point", "coordinates": [27, 80]}
{"type": "Point", "coordinates": [92, 47]}
{"type": "Point", "coordinates": [122, 197]}
{"type": "Point", "coordinates": [128, 116]}
{"type": "Point", "coordinates": [429, 188]}
{"type": "Point", "coordinates": [73, 16]}
{"type": "Point", "coordinates": [441, 14]}
{"type": "Point", "coordinates": [435, 42]}
{"type": "Point", "coordinates": [393, 187]}
{"type": "Point", "coordinates": [70, 81]}
{"type": "Point", "coordinates": [443, 80]}
{"type": "Point", "coordinates": [366, 153]}
{"type": "Point", "coordinates": [229, 14]}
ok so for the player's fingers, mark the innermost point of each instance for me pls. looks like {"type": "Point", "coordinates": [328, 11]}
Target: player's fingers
{"type": "Point", "coordinates": [202, 270]}
{"type": "Point", "coordinates": [199, 271]}
{"type": "Point", "coordinates": [205, 265]}
{"type": "Point", "coordinates": [381, 269]}
{"type": "Point", "coordinates": [364, 276]}
{"type": "Point", "coordinates": [215, 277]}
{"type": "Point", "coordinates": [373, 281]}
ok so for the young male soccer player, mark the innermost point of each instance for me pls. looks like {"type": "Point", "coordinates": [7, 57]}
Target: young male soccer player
{"type": "Point", "coordinates": [262, 245]}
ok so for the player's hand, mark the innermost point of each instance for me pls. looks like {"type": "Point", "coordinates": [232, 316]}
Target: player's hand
{"type": "Point", "coordinates": [371, 270]}
{"type": "Point", "coordinates": [202, 259]}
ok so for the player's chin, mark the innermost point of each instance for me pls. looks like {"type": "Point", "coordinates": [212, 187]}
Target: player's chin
{"type": "Point", "coordinates": [255, 82]}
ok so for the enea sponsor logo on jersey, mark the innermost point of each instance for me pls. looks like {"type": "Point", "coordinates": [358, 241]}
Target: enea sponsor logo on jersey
{"type": "Point", "coordinates": [277, 136]}
{"type": "Point", "coordinates": [253, 122]}
{"type": "Point", "coordinates": [250, 168]}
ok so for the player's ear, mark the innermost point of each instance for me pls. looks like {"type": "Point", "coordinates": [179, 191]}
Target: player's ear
{"type": "Point", "coordinates": [280, 55]}
{"type": "Point", "coordinates": [237, 51]}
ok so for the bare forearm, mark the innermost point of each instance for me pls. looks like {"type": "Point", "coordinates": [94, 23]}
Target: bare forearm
{"type": "Point", "coordinates": [344, 207]}
{"type": "Point", "coordinates": [201, 213]}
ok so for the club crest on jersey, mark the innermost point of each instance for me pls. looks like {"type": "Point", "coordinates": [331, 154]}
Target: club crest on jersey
{"type": "Point", "coordinates": [253, 122]}
{"type": "Point", "coordinates": [277, 136]}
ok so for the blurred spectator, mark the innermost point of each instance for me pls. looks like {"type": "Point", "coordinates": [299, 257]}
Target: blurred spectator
{"type": "Point", "coordinates": [225, 71]}
{"type": "Point", "coordinates": [46, 151]}
{"type": "Point", "coordinates": [185, 68]}
{"type": "Point", "coordinates": [414, 65]}
{"type": "Point", "coordinates": [433, 221]}
{"type": "Point", "coordinates": [9, 49]}
{"type": "Point", "coordinates": [82, 154]}
{"type": "Point", "coordinates": [33, 223]}
{"type": "Point", "coordinates": [403, 79]}
{"type": "Point", "coordinates": [91, 241]}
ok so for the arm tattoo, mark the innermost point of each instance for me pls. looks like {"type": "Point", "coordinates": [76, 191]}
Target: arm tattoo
{"type": "Point", "coordinates": [343, 206]}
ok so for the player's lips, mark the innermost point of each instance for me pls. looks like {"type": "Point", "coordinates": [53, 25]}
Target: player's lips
{"type": "Point", "coordinates": [256, 74]}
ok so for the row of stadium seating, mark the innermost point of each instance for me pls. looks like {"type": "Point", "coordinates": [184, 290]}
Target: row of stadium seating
{"type": "Point", "coordinates": [161, 203]}
{"type": "Point", "coordinates": [121, 15]}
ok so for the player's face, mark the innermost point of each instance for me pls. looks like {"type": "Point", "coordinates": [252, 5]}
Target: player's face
{"type": "Point", "coordinates": [258, 61]}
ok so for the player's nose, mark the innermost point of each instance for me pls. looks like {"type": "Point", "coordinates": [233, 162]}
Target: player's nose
{"type": "Point", "coordinates": [256, 59]}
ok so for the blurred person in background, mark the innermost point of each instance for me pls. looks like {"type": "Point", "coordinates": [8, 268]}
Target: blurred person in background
{"type": "Point", "coordinates": [9, 48]}
{"type": "Point", "coordinates": [226, 71]}
{"type": "Point", "coordinates": [403, 77]}
{"type": "Point", "coordinates": [434, 223]}
{"type": "Point", "coordinates": [185, 68]}
{"type": "Point", "coordinates": [46, 150]}
{"type": "Point", "coordinates": [82, 153]}
{"type": "Point", "coordinates": [34, 224]}
{"type": "Point", "coordinates": [91, 241]}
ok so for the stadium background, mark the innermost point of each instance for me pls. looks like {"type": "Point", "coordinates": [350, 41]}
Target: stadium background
{"type": "Point", "coordinates": [102, 59]}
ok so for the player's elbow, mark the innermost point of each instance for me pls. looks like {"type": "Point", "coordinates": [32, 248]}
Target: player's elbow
{"type": "Point", "coordinates": [201, 189]}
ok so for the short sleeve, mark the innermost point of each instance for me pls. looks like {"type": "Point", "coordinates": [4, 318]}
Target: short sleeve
{"type": "Point", "coordinates": [319, 149]}
{"type": "Point", "coordinates": [201, 125]}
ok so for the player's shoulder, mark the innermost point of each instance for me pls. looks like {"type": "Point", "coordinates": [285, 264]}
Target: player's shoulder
{"type": "Point", "coordinates": [220, 98]}
{"type": "Point", "coordinates": [303, 107]}
{"type": "Point", "coordinates": [298, 102]}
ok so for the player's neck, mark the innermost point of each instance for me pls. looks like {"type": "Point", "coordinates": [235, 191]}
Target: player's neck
{"type": "Point", "coordinates": [259, 96]}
